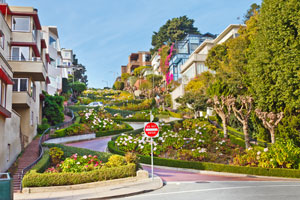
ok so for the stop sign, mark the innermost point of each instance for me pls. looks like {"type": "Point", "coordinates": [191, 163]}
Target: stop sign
{"type": "Point", "coordinates": [151, 129]}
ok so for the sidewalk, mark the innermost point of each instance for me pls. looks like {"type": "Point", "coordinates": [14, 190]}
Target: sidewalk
{"type": "Point", "coordinates": [105, 191]}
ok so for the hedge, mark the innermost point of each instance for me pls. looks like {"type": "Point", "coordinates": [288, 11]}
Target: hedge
{"type": "Point", "coordinates": [136, 120]}
{"type": "Point", "coordinates": [34, 179]}
{"type": "Point", "coordinates": [290, 173]}
{"type": "Point", "coordinates": [123, 113]}
{"type": "Point", "coordinates": [79, 108]}
{"type": "Point", "coordinates": [113, 132]}
{"type": "Point", "coordinates": [43, 164]}
{"type": "Point", "coordinates": [69, 151]}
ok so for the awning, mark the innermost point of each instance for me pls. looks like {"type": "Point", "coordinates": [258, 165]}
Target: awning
{"type": "Point", "coordinates": [5, 77]}
{"type": "Point", "coordinates": [48, 80]}
{"type": "Point", "coordinates": [43, 44]}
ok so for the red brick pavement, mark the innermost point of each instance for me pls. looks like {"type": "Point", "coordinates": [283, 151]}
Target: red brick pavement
{"type": "Point", "coordinates": [30, 154]}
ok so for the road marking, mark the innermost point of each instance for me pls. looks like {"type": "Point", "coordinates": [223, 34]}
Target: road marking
{"type": "Point", "coordinates": [213, 189]}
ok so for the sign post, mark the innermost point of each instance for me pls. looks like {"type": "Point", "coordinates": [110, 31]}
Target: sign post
{"type": "Point", "coordinates": [151, 130]}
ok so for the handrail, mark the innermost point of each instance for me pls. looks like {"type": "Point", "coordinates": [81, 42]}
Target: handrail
{"type": "Point", "coordinates": [41, 141]}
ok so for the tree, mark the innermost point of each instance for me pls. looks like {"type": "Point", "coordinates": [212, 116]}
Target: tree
{"type": "Point", "coordinates": [79, 72]}
{"type": "Point", "coordinates": [53, 109]}
{"type": "Point", "coordinates": [145, 87]}
{"type": "Point", "coordinates": [222, 106]}
{"type": "Point", "coordinates": [173, 30]}
{"type": "Point", "coordinates": [118, 85]}
{"type": "Point", "coordinates": [78, 88]}
{"type": "Point", "coordinates": [140, 70]}
{"type": "Point", "coordinates": [270, 121]}
{"type": "Point", "coordinates": [275, 56]}
{"type": "Point", "coordinates": [250, 12]}
{"type": "Point", "coordinates": [124, 78]}
{"type": "Point", "coordinates": [242, 113]}
{"type": "Point", "coordinates": [154, 79]}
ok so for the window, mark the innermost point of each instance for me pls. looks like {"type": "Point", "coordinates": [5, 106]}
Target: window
{"type": "Point", "coordinates": [21, 24]}
{"type": "Point", "coordinates": [67, 54]}
{"type": "Point", "coordinates": [31, 118]}
{"type": "Point", "coordinates": [52, 42]}
{"type": "Point", "coordinates": [20, 53]}
{"type": "Point", "coordinates": [20, 84]}
{"type": "Point", "coordinates": [2, 39]}
{"type": "Point", "coordinates": [8, 153]}
{"type": "Point", "coordinates": [32, 90]}
{"type": "Point", "coordinates": [2, 93]}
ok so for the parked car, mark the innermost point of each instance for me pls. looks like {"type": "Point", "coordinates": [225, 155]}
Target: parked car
{"type": "Point", "coordinates": [95, 104]}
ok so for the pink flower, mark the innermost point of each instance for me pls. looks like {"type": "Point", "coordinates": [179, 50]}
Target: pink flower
{"type": "Point", "coordinates": [90, 156]}
{"type": "Point", "coordinates": [96, 165]}
{"type": "Point", "coordinates": [95, 157]}
{"type": "Point", "coordinates": [86, 166]}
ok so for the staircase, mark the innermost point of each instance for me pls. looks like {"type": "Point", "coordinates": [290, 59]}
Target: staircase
{"type": "Point", "coordinates": [30, 154]}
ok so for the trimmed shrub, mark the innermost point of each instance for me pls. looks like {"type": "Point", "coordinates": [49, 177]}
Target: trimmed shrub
{"type": "Point", "coordinates": [56, 154]}
{"type": "Point", "coordinates": [113, 132]}
{"type": "Point", "coordinates": [291, 173]}
{"type": "Point", "coordinates": [43, 164]}
{"type": "Point", "coordinates": [34, 179]}
{"type": "Point", "coordinates": [41, 128]}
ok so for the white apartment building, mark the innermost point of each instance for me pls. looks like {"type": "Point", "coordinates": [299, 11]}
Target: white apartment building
{"type": "Point", "coordinates": [25, 54]}
{"type": "Point", "coordinates": [54, 59]}
{"type": "Point", "coordinates": [10, 138]}
{"type": "Point", "coordinates": [67, 60]}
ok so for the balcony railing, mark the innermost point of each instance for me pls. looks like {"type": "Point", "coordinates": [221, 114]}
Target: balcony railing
{"type": "Point", "coordinates": [16, 58]}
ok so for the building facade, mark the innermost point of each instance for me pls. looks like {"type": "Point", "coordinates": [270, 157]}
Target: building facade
{"type": "Point", "coordinates": [54, 58]}
{"type": "Point", "coordinates": [195, 63]}
{"type": "Point", "coordinates": [135, 60]}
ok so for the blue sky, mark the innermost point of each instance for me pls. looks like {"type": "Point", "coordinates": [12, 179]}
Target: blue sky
{"type": "Point", "coordinates": [103, 33]}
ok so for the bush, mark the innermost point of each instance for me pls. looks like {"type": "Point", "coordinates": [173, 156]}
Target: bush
{"type": "Point", "coordinates": [74, 129]}
{"type": "Point", "coordinates": [53, 109]}
{"type": "Point", "coordinates": [34, 179]}
{"type": "Point", "coordinates": [56, 155]}
{"type": "Point", "coordinates": [41, 128]}
{"type": "Point", "coordinates": [115, 161]}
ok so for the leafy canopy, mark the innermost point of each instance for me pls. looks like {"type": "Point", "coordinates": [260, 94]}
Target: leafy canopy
{"type": "Point", "coordinates": [173, 30]}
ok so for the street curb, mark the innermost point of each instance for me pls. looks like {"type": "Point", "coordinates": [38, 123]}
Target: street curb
{"type": "Point", "coordinates": [117, 190]}
{"type": "Point", "coordinates": [206, 172]}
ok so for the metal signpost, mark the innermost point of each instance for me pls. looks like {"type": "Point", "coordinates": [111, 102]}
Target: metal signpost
{"type": "Point", "coordinates": [151, 130]}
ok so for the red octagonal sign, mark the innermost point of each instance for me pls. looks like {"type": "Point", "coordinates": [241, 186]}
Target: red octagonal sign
{"type": "Point", "coordinates": [151, 129]}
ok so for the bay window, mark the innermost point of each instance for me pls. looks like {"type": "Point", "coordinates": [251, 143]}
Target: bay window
{"type": "Point", "coordinates": [2, 93]}
{"type": "Point", "coordinates": [20, 84]}
{"type": "Point", "coordinates": [20, 53]}
{"type": "Point", "coordinates": [21, 24]}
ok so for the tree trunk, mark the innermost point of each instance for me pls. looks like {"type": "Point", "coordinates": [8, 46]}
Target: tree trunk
{"type": "Point", "coordinates": [272, 132]}
{"type": "Point", "coordinates": [246, 133]}
{"type": "Point", "coordinates": [224, 121]}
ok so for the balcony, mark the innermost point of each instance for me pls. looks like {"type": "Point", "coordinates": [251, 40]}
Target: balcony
{"type": "Point", "coordinates": [21, 99]}
{"type": "Point", "coordinates": [193, 59]}
{"type": "Point", "coordinates": [34, 68]}
{"type": "Point", "coordinates": [24, 37]}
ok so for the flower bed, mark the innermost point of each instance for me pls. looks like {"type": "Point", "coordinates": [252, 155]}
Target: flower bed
{"type": "Point", "coordinates": [290, 173]}
{"type": "Point", "coordinates": [77, 168]}
{"type": "Point", "coordinates": [191, 140]}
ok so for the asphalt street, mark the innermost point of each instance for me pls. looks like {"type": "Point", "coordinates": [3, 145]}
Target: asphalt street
{"type": "Point", "coordinates": [222, 190]}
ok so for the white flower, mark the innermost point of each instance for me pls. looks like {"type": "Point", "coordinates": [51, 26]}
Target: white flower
{"type": "Point", "coordinates": [258, 153]}
{"type": "Point", "coordinates": [250, 148]}
{"type": "Point", "coordinates": [78, 163]}
{"type": "Point", "coordinates": [85, 157]}
{"type": "Point", "coordinates": [266, 149]}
